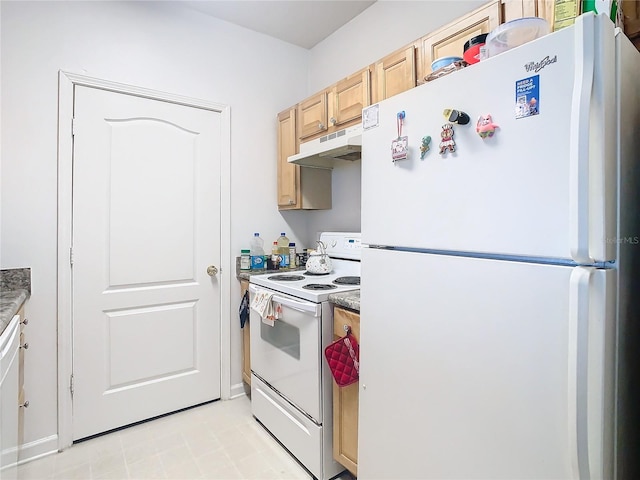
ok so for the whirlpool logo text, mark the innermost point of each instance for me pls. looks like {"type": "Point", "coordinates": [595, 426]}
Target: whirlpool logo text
{"type": "Point", "coordinates": [537, 66]}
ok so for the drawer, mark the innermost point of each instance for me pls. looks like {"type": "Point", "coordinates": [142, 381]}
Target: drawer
{"type": "Point", "coordinates": [298, 434]}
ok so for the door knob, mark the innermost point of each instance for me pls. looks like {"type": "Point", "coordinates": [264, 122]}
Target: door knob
{"type": "Point", "coordinates": [212, 271]}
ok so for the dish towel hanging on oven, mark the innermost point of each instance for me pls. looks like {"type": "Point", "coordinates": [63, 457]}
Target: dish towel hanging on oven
{"type": "Point", "coordinates": [263, 303]}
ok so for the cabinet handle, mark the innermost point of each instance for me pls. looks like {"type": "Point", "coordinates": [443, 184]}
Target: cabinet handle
{"type": "Point", "coordinates": [25, 321]}
{"type": "Point", "coordinates": [321, 126]}
{"type": "Point", "coordinates": [290, 201]}
{"type": "Point", "coordinates": [333, 121]}
{"type": "Point", "coordinates": [25, 346]}
{"type": "Point", "coordinates": [25, 404]}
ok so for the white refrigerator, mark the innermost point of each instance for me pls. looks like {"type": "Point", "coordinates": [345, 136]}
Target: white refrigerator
{"type": "Point", "coordinates": [498, 280]}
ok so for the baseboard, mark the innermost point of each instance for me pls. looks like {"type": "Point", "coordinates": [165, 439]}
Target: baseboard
{"type": "Point", "coordinates": [37, 449]}
{"type": "Point", "coordinates": [237, 390]}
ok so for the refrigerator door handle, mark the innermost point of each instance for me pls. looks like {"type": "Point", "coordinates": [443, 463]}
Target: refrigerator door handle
{"type": "Point", "coordinates": [579, 140]}
{"type": "Point", "coordinates": [577, 375]}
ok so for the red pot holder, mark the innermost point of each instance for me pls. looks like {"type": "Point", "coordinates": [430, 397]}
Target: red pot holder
{"type": "Point", "coordinates": [343, 357]}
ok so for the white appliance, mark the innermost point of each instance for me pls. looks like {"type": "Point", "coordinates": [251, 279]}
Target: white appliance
{"type": "Point", "coordinates": [322, 152]}
{"type": "Point", "coordinates": [498, 281]}
{"type": "Point", "coordinates": [291, 385]}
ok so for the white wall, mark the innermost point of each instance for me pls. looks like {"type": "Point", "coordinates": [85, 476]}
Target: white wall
{"type": "Point", "coordinates": [150, 44]}
{"type": "Point", "coordinates": [378, 31]}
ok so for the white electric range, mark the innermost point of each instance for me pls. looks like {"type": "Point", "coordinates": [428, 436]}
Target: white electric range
{"type": "Point", "coordinates": [291, 385]}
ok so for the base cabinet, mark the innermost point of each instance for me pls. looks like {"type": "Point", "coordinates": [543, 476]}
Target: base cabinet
{"type": "Point", "coordinates": [345, 400]}
{"type": "Point", "coordinates": [11, 396]}
{"type": "Point", "coordinates": [246, 347]}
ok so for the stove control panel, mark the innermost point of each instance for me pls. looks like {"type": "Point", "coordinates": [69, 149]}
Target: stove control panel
{"type": "Point", "coordinates": [342, 244]}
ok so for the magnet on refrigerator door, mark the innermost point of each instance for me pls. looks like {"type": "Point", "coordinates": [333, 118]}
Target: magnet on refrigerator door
{"type": "Point", "coordinates": [400, 146]}
{"type": "Point", "coordinates": [456, 116]}
{"type": "Point", "coordinates": [424, 147]}
{"type": "Point", "coordinates": [485, 126]}
{"type": "Point", "coordinates": [528, 97]}
{"type": "Point", "coordinates": [447, 142]}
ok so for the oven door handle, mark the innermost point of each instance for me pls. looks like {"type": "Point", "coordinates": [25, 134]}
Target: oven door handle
{"type": "Point", "coordinates": [301, 306]}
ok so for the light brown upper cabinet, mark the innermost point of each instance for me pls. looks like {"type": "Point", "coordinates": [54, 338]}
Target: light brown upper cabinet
{"type": "Point", "coordinates": [287, 172]}
{"type": "Point", "coordinates": [298, 187]}
{"type": "Point", "coordinates": [312, 116]}
{"type": "Point", "coordinates": [514, 9]}
{"type": "Point", "coordinates": [348, 97]}
{"type": "Point", "coordinates": [395, 73]}
{"type": "Point", "coordinates": [449, 40]}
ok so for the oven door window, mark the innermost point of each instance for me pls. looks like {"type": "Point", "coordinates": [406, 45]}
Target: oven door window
{"type": "Point", "coordinates": [282, 336]}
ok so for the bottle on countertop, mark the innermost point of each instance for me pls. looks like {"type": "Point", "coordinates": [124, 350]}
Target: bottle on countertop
{"type": "Point", "coordinates": [275, 257]}
{"type": "Point", "coordinates": [245, 259]}
{"type": "Point", "coordinates": [257, 252]}
{"type": "Point", "coordinates": [283, 250]}
{"type": "Point", "coordinates": [293, 258]}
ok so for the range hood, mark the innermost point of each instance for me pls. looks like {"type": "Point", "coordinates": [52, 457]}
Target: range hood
{"type": "Point", "coordinates": [322, 152]}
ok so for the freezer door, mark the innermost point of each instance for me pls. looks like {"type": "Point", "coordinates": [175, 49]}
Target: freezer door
{"type": "Point", "coordinates": [544, 185]}
{"type": "Point", "coordinates": [484, 369]}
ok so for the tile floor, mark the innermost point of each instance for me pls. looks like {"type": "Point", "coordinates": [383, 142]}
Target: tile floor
{"type": "Point", "coordinates": [220, 440]}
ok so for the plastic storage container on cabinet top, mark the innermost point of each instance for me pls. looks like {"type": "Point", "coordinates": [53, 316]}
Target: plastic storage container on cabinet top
{"type": "Point", "coordinates": [473, 49]}
{"type": "Point", "coordinates": [439, 63]}
{"type": "Point", "coordinates": [515, 33]}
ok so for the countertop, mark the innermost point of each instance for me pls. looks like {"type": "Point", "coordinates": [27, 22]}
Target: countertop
{"type": "Point", "coordinates": [350, 300]}
{"type": "Point", "coordinates": [10, 303]}
{"type": "Point", "coordinates": [15, 289]}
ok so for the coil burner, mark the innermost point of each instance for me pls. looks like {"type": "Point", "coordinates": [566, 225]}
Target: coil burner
{"type": "Point", "coordinates": [286, 278]}
{"type": "Point", "coordinates": [318, 286]}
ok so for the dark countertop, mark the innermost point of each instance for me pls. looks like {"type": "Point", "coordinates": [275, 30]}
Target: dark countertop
{"type": "Point", "coordinates": [246, 274]}
{"type": "Point", "coordinates": [350, 300]}
{"type": "Point", "coordinates": [10, 303]}
{"type": "Point", "coordinates": [15, 289]}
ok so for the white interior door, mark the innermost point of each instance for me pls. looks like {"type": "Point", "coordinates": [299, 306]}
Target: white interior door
{"type": "Point", "coordinates": [484, 369]}
{"type": "Point", "coordinates": [146, 225]}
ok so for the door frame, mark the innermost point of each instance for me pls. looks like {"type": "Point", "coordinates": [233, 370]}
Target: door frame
{"type": "Point", "coordinates": [66, 83]}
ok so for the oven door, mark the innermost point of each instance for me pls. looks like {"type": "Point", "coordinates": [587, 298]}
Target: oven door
{"type": "Point", "coordinates": [287, 355]}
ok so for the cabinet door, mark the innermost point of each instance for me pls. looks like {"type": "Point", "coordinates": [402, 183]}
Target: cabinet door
{"type": "Point", "coordinates": [288, 173]}
{"type": "Point", "coordinates": [350, 96]}
{"type": "Point", "coordinates": [514, 9]}
{"type": "Point", "coordinates": [631, 11]}
{"type": "Point", "coordinates": [312, 116]}
{"type": "Point", "coordinates": [345, 401]}
{"type": "Point", "coordinates": [449, 40]}
{"type": "Point", "coordinates": [395, 73]}
{"type": "Point", "coordinates": [246, 346]}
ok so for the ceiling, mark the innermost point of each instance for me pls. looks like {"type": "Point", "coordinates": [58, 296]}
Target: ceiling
{"type": "Point", "coordinates": [303, 22]}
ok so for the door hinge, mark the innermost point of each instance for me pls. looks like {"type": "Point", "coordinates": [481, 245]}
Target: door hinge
{"type": "Point", "coordinates": [71, 384]}
{"type": "Point", "coordinates": [73, 127]}
{"type": "Point", "coordinates": [71, 256]}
